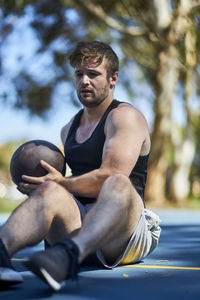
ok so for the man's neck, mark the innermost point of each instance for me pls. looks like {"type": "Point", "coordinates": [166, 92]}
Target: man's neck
{"type": "Point", "coordinates": [94, 114]}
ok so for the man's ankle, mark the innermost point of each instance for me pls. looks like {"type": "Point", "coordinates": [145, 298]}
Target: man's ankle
{"type": "Point", "coordinates": [81, 254]}
{"type": "Point", "coordinates": [3, 244]}
{"type": "Point", "coordinates": [4, 256]}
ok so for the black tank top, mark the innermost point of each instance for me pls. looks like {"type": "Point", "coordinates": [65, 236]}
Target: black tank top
{"type": "Point", "coordinates": [87, 156]}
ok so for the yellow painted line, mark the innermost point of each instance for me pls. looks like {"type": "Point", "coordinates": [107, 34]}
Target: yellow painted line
{"type": "Point", "coordinates": [138, 266]}
{"type": "Point", "coordinates": [18, 259]}
{"type": "Point", "coordinates": [161, 267]}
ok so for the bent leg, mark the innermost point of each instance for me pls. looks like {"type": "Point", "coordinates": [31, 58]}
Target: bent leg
{"type": "Point", "coordinates": [112, 220]}
{"type": "Point", "coordinates": [50, 206]}
{"type": "Point", "coordinates": [108, 226]}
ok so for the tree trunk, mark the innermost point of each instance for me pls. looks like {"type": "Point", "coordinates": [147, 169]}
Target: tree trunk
{"type": "Point", "coordinates": [183, 157]}
{"type": "Point", "coordinates": [166, 83]}
{"type": "Point", "coordinates": [166, 80]}
{"type": "Point", "coordinates": [184, 150]}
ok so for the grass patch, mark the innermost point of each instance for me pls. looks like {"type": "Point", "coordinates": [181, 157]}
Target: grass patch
{"type": "Point", "coordinates": [194, 203]}
{"type": "Point", "coordinates": [7, 206]}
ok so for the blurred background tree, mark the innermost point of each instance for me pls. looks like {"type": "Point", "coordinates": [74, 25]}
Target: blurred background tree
{"type": "Point", "coordinates": [159, 37]}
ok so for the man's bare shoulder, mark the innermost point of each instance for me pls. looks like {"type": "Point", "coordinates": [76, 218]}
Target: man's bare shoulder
{"type": "Point", "coordinates": [127, 113]}
{"type": "Point", "coordinates": [65, 130]}
{"type": "Point", "coordinates": [129, 121]}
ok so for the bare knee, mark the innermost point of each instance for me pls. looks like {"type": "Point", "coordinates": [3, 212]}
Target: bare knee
{"type": "Point", "coordinates": [50, 190]}
{"type": "Point", "coordinates": [48, 187]}
{"type": "Point", "coordinates": [118, 189]}
{"type": "Point", "coordinates": [48, 195]}
{"type": "Point", "coordinates": [117, 183]}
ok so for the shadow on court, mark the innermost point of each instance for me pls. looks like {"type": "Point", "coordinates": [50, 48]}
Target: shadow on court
{"type": "Point", "coordinates": [172, 271]}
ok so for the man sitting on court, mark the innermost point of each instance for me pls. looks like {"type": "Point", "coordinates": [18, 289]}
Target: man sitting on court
{"type": "Point", "coordinates": [100, 209]}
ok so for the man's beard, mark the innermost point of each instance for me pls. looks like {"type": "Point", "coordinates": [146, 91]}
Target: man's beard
{"type": "Point", "coordinates": [96, 101]}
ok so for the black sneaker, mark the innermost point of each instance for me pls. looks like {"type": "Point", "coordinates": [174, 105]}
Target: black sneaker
{"type": "Point", "coordinates": [56, 264]}
{"type": "Point", "coordinates": [8, 275]}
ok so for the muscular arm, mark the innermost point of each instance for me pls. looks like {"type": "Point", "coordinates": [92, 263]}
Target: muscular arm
{"type": "Point", "coordinates": [127, 137]}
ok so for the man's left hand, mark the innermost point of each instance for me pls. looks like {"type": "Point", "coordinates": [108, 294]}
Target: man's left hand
{"type": "Point", "coordinates": [31, 183]}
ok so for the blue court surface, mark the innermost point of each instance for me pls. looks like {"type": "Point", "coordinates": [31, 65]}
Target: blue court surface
{"type": "Point", "coordinates": [171, 272]}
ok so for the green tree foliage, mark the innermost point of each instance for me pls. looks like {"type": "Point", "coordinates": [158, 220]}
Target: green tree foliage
{"type": "Point", "coordinates": [58, 25]}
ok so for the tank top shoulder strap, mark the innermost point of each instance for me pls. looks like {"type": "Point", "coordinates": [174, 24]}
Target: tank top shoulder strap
{"type": "Point", "coordinates": [113, 105]}
{"type": "Point", "coordinates": [101, 124]}
{"type": "Point", "coordinates": [75, 122]}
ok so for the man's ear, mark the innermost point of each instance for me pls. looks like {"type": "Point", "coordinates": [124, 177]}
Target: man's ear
{"type": "Point", "coordinates": [114, 79]}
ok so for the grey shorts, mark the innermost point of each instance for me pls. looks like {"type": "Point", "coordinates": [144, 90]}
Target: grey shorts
{"type": "Point", "coordinates": [84, 208]}
{"type": "Point", "coordinates": [143, 241]}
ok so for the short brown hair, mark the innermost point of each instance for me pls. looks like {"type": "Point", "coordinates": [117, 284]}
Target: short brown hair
{"type": "Point", "coordinates": [93, 52]}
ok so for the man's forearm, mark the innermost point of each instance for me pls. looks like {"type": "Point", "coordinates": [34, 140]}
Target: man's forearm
{"type": "Point", "coordinates": [87, 185]}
